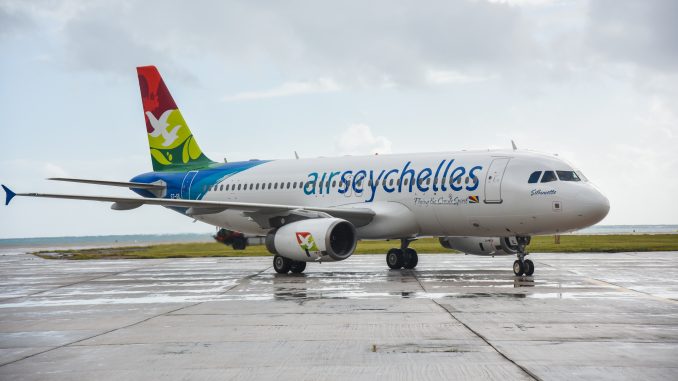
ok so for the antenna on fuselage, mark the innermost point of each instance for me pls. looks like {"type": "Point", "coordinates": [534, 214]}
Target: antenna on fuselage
{"type": "Point", "coordinates": [296, 155]}
{"type": "Point", "coordinates": [515, 148]}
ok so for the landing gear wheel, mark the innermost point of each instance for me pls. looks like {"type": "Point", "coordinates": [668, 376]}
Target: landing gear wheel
{"type": "Point", "coordinates": [410, 258]}
{"type": "Point", "coordinates": [394, 259]}
{"type": "Point", "coordinates": [297, 267]}
{"type": "Point", "coordinates": [239, 243]}
{"type": "Point", "coordinates": [281, 265]}
{"type": "Point", "coordinates": [529, 267]}
{"type": "Point", "coordinates": [518, 268]}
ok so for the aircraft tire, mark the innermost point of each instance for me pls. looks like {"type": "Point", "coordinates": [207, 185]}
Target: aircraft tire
{"type": "Point", "coordinates": [518, 268]}
{"type": "Point", "coordinates": [281, 265]}
{"type": "Point", "coordinates": [529, 267]}
{"type": "Point", "coordinates": [410, 258]}
{"type": "Point", "coordinates": [297, 267]}
{"type": "Point", "coordinates": [239, 243]}
{"type": "Point", "coordinates": [394, 259]}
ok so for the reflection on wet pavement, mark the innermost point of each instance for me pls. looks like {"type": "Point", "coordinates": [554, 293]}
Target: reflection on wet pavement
{"type": "Point", "coordinates": [602, 316]}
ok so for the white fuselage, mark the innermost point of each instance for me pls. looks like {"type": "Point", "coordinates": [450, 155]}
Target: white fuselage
{"type": "Point", "coordinates": [480, 193]}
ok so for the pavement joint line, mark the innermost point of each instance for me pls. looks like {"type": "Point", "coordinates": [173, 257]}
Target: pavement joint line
{"type": "Point", "coordinates": [643, 293]}
{"type": "Point", "coordinates": [483, 338]}
{"type": "Point", "coordinates": [630, 290]}
{"type": "Point", "coordinates": [131, 324]}
{"type": "Point", "coordinates": [81, 281]}
{"type": "Point", "coordinates": [477, 334]}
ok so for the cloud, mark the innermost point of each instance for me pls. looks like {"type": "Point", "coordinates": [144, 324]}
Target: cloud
{"type": "Point", "coordinates": [320, 85]}
{"type": "Point", "coordinates": [353, 42]}
{"type": "Point", "coordinates": [643, 33]}
{"type": "Point", "coordinates": [443, 77]}
{"type": "Point", "coordinates": [358, 139]}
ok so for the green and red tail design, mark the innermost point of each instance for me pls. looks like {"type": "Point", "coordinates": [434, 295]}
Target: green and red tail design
{"type": "Point", "coordinates": [173, 147]}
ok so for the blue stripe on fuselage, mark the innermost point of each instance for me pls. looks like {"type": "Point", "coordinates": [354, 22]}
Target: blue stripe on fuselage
{"type": "Point", "coordinates": [204, 179]}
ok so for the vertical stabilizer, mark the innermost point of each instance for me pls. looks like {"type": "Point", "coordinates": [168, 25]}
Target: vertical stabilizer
{"type": "Point", "coordinates": [173, 147]}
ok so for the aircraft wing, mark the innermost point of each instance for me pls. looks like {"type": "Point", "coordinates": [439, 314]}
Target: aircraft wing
{"type": "Point", "coordinates": [260, 212]}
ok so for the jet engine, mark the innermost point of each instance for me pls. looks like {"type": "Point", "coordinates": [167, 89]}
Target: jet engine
{"type": "Point", "coordinates": [314, 239]}
{"type": "Point", "coordinates": [482, 245]}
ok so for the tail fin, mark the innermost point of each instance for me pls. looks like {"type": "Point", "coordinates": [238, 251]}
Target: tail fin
{"type": "Point", "coordinates": [173, 147]}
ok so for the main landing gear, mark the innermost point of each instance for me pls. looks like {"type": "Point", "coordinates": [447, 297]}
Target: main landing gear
{"type": "Point", "coordinates": [523, 266]}
{"type": "Point", "coordinates": [284, 265]}
{"type": "Point", "coordinates": [403, 257]}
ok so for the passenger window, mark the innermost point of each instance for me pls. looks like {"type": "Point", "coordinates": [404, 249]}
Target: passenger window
{"type": "Point", "coordinates": [251, 186]}
{"type": "Point", "coordinates": [222, 187]}
{"type": "Point", "coordinates": [407, 182]}
{"type": "Point", "coordinates": [390, 182]}
{"type": "Point", "coordinates": [548, 177]}
{"type": "Point", "coordinates": [568, 176]}
{"type": "Point", "coordinates": [288, 185]}
{"type": "Point", "coordinates": [466, 180]}
{"type": "Point", "coordinates": [239, 185]}
{"type": "Point", "coordinates": [275, 185]}
{"type": "Point", "coordinates": [534, 177]}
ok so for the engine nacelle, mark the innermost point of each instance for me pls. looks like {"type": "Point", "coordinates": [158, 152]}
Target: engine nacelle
{"type": "Point", "coordinates": [482, 245]}
{"type": "Point", "coordinates": [314, 239]}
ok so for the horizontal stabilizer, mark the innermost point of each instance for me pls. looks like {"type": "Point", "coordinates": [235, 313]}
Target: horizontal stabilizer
{"type": "Point", "coordinates": [111, 183]}
{"type": "Point", "coordinates": [9, 195]}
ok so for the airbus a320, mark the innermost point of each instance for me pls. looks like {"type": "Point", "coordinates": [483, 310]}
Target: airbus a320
{"type": "Point", "coordinates": [315, 210]}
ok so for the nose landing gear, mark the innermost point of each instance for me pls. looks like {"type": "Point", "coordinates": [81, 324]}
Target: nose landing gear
{"type": "Point", "coordinates": [523, 266]}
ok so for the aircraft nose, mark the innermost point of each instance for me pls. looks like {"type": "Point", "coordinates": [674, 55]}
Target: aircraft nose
{"type": "Point", "coordinates": [595, 206]}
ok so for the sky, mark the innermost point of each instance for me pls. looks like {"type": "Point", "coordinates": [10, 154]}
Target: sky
{"type": "Point", "coordinates": [593, 81]}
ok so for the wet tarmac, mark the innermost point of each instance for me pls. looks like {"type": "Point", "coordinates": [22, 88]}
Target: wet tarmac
{"type": "Point", "coordinates": [581, 316]}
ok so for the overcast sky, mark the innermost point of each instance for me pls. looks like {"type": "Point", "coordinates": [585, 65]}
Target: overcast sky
{"type": "Point", "coordinates": [594, 81]}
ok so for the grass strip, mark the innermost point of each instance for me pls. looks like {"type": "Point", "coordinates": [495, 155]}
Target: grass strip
{"type": "Point", "coordinates": [541, 244]}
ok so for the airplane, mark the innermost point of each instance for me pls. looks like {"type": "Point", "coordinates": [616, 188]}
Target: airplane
{"type": "Point", "coordinates": [487, 202]}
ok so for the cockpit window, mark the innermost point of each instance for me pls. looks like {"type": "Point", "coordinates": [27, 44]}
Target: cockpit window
{"type": "Point", "coordinates": [534, 177]}
{"type": "Point", "coordinates": [568, 176]}
{"type": "Point", "coordinates": [548, 177]}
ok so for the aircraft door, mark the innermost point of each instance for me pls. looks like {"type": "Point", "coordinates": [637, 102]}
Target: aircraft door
{"type": "Point", "coordinates": [186, 185]}
{"type": "Point", "coordinates": [495, 175]}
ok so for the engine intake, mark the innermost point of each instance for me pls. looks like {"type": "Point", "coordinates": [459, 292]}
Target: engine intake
{"type": "Point", "coordinates": [326, 239]}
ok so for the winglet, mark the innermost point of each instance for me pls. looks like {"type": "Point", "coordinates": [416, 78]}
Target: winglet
{"type": "Point", "coordinates": [9, 195]}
